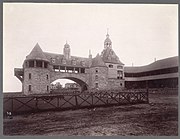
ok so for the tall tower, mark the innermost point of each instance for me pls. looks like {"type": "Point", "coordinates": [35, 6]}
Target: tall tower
{"type": "Point", "coordinates": [66, 51]}
{"type": "Point", "coordinates": [107, 42]}
{"type": "Point", "coordinates": [36, 72]}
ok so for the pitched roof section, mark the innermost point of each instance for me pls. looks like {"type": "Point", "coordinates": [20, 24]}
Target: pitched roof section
{"type": "Point", "coordinates": [109, 56]}
{"type": "Point", "coordinates": [37, 54]}
{"type": "Point", "coordinates": [160, 64]}
{"type": "Point", "coordinates": [98, 62]}
{"type": "Point", "coordinates": [58, 60]}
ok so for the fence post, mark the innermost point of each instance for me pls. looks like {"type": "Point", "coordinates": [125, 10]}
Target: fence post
{"type": "Point", "coordinates": [12, 109]}
{"type": "Point", "coordinates": [147, 95]}
{"type": "Point", "coordinates": [76, 100]}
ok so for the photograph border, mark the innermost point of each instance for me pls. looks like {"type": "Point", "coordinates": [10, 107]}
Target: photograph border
{"type": "Point", "coordinates": [79, 1]}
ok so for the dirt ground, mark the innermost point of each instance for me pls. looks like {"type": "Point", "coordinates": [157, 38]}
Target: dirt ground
{"type": "Point", "coordinates": [158, 118]}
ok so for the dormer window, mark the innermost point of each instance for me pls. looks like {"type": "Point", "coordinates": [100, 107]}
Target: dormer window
{"type": "Point", "coordinates": [83, 63]}
{"type": "Point", "coordinates": [119, 66]}
{"type": "Point", "coordinates": [64, 61]}
{"type": "Point", "coordinates": [52, 60]}
{"type": "Point", "coordinates": [74, 62]}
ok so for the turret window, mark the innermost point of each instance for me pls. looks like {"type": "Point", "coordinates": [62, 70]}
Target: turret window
{"type": "Point", "coordinates": [96, 84]}
{"type": "Point", "coordinates": [45, 64]}
{"type": "Point", "coordinates": [29, 75]}
{"type": "Point", "coordinates": [110, 66]}
{"type": "Point", "coordinates": [39, 64]}
{"type": "Point", "coordinates": [31, 64]}
{"type": "Point", "coordinates": [119, 67]}
{"type": "Point", "coordinates": [96, 77]}
{"type": "Point", "coordinates": [30, 89]}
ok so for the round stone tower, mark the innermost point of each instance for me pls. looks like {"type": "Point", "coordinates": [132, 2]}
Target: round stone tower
{"type": "Point", "coordinates": [36, 73]}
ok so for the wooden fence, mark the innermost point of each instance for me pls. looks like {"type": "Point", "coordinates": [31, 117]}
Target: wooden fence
{"type": "Point", "coordinates": [34, 103]}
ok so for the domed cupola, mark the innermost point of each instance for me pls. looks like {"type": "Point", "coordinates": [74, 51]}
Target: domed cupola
{"type": "Point", "coordinates": [107, 42]}
{"type": "Point", "coordinates": [66, 51]}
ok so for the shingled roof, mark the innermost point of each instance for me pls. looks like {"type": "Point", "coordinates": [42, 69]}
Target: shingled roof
{"type": "Point", "coordinates": [37, 54]}
{"type": "Point", "coordinates": [58, 60]}
{"type": "Point", "coordinates": [109, 56]}
{"type": "Point", "coordinates": [98, 62]}
{"type": "Point", "coordinates": [160, 64]}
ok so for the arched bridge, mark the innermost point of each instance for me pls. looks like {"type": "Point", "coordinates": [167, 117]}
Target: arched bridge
{"type": "Point", "coordinates": [80, 78]}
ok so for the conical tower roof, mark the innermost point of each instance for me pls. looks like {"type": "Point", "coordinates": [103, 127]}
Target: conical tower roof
{"type": "Point", "coordinates": [98, 62]}
{"type": "Point", "coordinates": [109, 56]}
{"type": "Point", "coordinates": [37, 54]}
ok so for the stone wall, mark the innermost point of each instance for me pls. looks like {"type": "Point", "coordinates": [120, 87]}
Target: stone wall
{"type": "Point", "coordinates": [39, 81]}
{"type": "Point", "coordinates": [112, 72]}
{"type": "Point", "coordinates": [99, 78]}
{"type": "Point", "coordinates": [116, 84]}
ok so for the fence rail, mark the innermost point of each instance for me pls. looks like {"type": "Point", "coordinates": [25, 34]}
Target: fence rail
{"type": "Point", "coordinates": [76, 100]}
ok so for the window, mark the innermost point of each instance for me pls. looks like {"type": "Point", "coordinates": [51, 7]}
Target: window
{"type": "Point", "coordinates": [96, 70]}
{"type": "Point", "coordinates": [29, 75]}
{"type": "Point", "coordinates": [29, 87]}
{"type": "Point", "coordinates": [96, 85]}
{"type": "Point", "coordinates": [45, 64]}
{"type": "Point", "coordinates": [119, 67]}
{"type": "Point", "coordinates": [96, 77]}
{"type": "Point", "coordinates": [52, 60]}
{"type": "Point", "coordinates": [120, 84]}
{"type": "Point", "coordinates": [110, 66]}
{"type": "Point", "coordinates": [47, 88]}
{"type": "Point", "coordinates": [118, 77]}
{"type": "Point", "coordinates": [31, 63]}
{"type": "Point", "coordinates": [47, 77]}
{"type": "Point", "coordinates": [26, 64]}
{"type": "Point", "coordinates": [39, 64]}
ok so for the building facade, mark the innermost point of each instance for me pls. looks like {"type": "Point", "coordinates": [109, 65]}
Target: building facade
{"type": "Point", "coordinates": [40, 69]}
{"type": "Point", "coordinates": [104, 71]}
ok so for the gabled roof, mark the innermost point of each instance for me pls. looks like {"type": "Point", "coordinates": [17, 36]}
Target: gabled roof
{"type": "Point", "coordinates": [98, 62]}
{"type": "Point", "coordinates": [159, 64]}
{"type": "Point", "coordinates": [58, 60]}
{"type": "Point", "coordinates": [109, 56]}
{"type": "Point", "coordinates": [37, 54]}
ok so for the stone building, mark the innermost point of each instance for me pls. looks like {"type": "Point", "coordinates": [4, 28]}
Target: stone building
{"type": "Point", "coordinates": [40, 69]}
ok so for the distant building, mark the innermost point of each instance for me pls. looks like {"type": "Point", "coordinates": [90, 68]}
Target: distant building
{"type": "Point", "coordinates": [72, 86]}
{"type": "Point", "coordinates": [159, 74]}
{"type": "Point", "coordinates": [105, 71]}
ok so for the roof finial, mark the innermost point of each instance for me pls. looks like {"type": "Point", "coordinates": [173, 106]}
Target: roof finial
{"type": "Point", "coordinates": [89, 51]}
{"type": "Point", "coordinates": [107, 32]}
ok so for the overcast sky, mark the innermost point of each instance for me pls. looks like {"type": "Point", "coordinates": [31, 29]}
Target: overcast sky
{"type": "Point", "coordinates": [139, 33]}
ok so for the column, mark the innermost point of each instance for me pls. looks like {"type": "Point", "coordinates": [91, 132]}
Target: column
{"type": "Point", "coordinates": [42, 64]}
{"type": "Point", "coordinates": [79, 70]}
{"type": "Point", "coordinates": [34, 63]}
{"type": "Point", "coordinates": [59, 68]}
{"type": "Point", "coordinates": [73, 70]}
{"type": "Point", "coordinates": [65, 69]}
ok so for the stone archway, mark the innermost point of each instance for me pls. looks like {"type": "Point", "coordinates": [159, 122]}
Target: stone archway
{"type": "Point", "coordinates": [81, 79]}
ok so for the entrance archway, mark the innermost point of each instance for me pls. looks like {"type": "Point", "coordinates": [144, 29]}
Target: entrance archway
{"type": "Point", "coordinates": [82, 84]}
